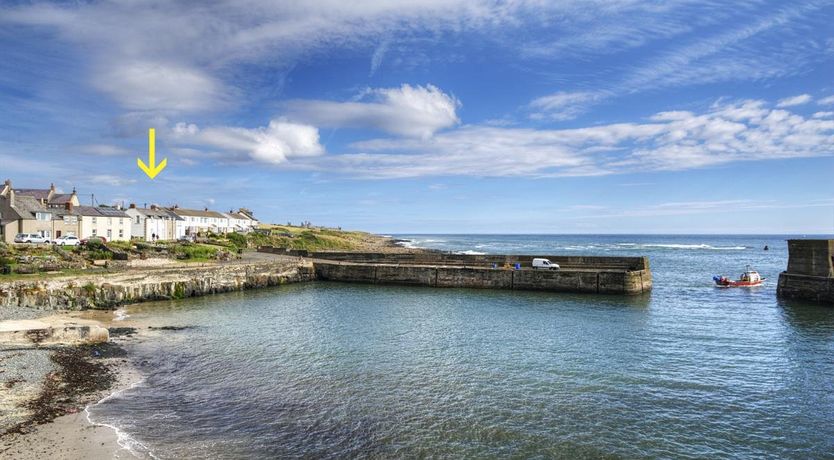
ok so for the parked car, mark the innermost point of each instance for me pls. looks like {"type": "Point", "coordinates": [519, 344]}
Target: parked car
{"type": "Point", "coordinates": [544, 264]}
{"type": "Point", "coordinates": [68, 240]}
{"type": "Point", "coordinates": [100, 239]}
{"type": "Point", "coordinates": [30, 238]}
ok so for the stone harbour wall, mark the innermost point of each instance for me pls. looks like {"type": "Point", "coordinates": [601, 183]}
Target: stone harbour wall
{"type": "Point", "coordinates": [597, 281]}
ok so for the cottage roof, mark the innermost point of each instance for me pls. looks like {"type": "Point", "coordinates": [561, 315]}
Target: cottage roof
{"type": "Point", "coordinates": [197, 213]}
{"type": "Point", "coordinates": [36, 193]}
{"type": "Point", "coordinates": [26, 206]}
{"type": "Point", "coordinates": [61, 198]}
{"type": "Point", "coordinates": [237, 215]}
{"type": "Point", "coordinates": [161, 213]}
{"type": "Point", "coordinates": [95, 212]}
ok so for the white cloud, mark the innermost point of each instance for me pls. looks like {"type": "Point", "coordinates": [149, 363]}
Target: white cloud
{"type": "Point", "coordinates": [273, 144]}
{"type": "Point", "coordinates": [826, 101]}
{"type": "Point", "coordinates": [794, 101]}
{"type": "Point", "coordinates": [675, 140]}
{"type": "Point", "coordinates": [563, 105]}
{"type": "Point", "coordinates": [412, 111]}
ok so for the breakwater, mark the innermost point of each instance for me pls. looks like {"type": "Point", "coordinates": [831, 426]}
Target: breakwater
{"type": "Point", "coordinates": [598, 275]}
{"type": "Point", "coordinates": [810, 273]}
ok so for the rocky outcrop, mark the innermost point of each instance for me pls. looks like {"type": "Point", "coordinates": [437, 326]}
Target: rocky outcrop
{"type": "Point", "coordinates": [109, 291]}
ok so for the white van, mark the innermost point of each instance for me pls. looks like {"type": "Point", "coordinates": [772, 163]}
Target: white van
{"type": "Point", "coordinates": [544, 264]}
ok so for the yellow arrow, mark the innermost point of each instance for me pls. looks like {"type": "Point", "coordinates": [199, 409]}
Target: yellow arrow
{"type": "Point", "coordinates": [152, 169]}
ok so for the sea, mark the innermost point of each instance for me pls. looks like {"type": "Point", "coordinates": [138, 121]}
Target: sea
{"type": "Point", "coordinates": [331, 370]}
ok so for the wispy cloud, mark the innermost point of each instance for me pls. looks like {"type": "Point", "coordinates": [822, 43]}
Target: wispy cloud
{"type": "Point", "coordinates": [564, 105]}
{"type": "Point", "coordinates": [103, 150]}
{"type": "Point", "coordinates": [735, 52]}
{"type": "Point", "coordinates": [109, 179]}
{"type": "Point", "coordinates": [378, 56]}
{"type": "Point", "coordinates": [794, 100]}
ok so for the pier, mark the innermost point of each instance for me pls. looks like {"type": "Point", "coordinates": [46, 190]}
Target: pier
{"type": "Point", "coordinates": [810, 273]}
{"type": "Point", "coordinates": [593, 275]}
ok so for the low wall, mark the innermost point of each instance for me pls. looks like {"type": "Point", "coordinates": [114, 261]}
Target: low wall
{"type": "Point", "coordinates": [584, 281]}
{"type": "Point", "coordinates": [108, 291]}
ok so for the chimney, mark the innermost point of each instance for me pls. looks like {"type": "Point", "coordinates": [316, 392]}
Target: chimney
{"type": "Point", "coordinates": [153, 206]}
{"type": "Point", "coordinates": [68, 205]}
{"type": "Point", "coordinates": [205, 209]}
{"type": "Point", "coordinates": [132, 205]}
{"type": "Point", "coordinates": [6, 187]}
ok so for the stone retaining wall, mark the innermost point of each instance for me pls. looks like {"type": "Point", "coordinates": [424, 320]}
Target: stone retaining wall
{"type": "Point", "coordinates": [108, 291]}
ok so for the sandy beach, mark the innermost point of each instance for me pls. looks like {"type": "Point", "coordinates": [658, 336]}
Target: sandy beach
{"type": "Point", "coordinates": [67, 437]}
{"type": "Point", "coordinates": [48, 390]}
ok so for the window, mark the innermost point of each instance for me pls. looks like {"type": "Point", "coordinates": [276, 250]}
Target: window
{"type": "Point", "coordinates": [72, 220]}
{"type": "Point", "coordinates": [95, 232]}
{"type": "Point", "coordinates": [43, 216]}
{"type": "Point", "coordinates": [109, 234]}
{"type": "Point", "coordinates": [94, 221]}
{"type": "Point", "coordinates": [137, 220]}
{"type": "Point", "coordinates": [121, 233]}
{"type": "Point", "coordinates": [109, 221]}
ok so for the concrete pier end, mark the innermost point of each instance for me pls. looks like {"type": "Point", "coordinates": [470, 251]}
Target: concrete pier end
{"type": "Point", "coordinates": [810, 273]}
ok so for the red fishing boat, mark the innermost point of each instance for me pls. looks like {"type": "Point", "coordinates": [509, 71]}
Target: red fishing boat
{"type": "Point", "coordinates": [749, 278]}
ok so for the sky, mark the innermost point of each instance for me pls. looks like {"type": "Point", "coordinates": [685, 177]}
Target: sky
{"type": "Point", "coordinates": [433, 116]}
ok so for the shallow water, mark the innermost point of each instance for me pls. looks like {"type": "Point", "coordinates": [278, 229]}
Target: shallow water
{"type": "Point", "coordinates": [340, 370]}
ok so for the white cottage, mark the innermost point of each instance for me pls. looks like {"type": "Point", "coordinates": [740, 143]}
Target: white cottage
{"type": "Point", "coordinates": [158, 221]}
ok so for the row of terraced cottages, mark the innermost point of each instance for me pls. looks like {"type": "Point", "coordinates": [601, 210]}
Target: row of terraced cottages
{"type": "Point", "coordinates": [51, 214]}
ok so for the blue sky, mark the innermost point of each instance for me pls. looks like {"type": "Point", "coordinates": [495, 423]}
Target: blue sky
{"type": "Point", "coordinates": [434, 116]}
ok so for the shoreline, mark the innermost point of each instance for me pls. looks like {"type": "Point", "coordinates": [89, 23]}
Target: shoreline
{"type": "Point", "coordinates": [59, 423]}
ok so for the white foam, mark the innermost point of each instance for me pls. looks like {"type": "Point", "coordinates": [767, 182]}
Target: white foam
{"type": "Point", "coordinates": [681, 246]}
{"type": "Point", "coordinates": [124, 440]}
{"type": "Point", "coordinates": [470, 253]}
{"type": "Point", "coordinates": [410, 244]}
{"type": "Point", "coordinates": [120, 315]}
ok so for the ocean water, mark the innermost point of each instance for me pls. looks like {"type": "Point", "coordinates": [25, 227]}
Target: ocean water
{"type": "Point", "coordinates": [329, 370]}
